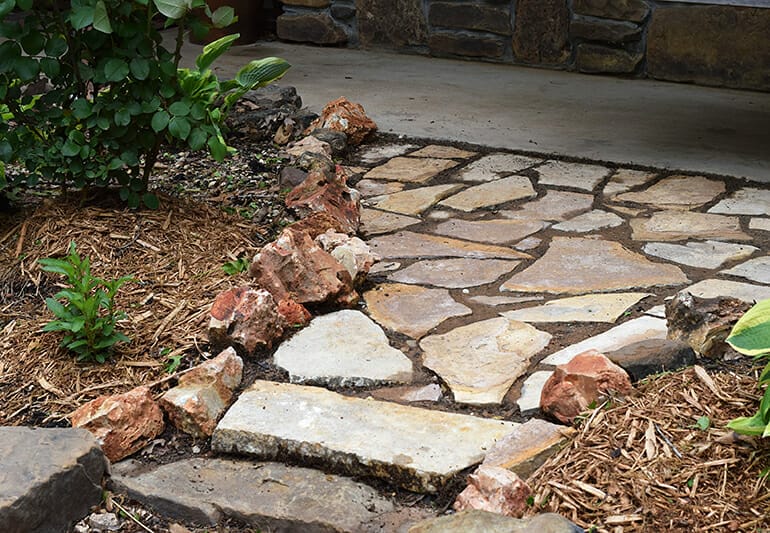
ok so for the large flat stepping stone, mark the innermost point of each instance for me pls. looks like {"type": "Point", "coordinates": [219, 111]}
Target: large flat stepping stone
{"type": "Point", "coordinates": [578, 265]}
{"type": "Point", "coordinates": [591, 221]}
{"type": "Point", "coordinates": [685, 225]}
{"type": "Point", "coordinates": [677, 192]}
{"type": "Point", "coordinates": [746, 201]}
{"type": "Point", "coordinates": [588, 308]}
{"type": "Point", "coordinates": [49, 478]}
{"type": "Point", "coordinates": [554, 206]}
{"type": "Point", "coordinates": [343, 349]}
{"type": "Point", "coordinates": [410, 169]}
{"type": "Point", "coordinates": [761, 224]}
{"type": "Point", "coordinates": [494, 301]}
{"type": "Point", "coordinates": [369, 188]}
{"type": "Point", "coordinates": [407, 244]}
{"type": "Point", "coordinates": [269, 496]}
{"type": "Point", "coordinates": [489, 194]}
{"type": "Point", "coordinates": [454, 273]}
{"type": "Point", "coordinates": [714, 288]}
{"type": "Point", "coordinates": [638, 329]}
{"type": "Point", "coordinates": [414, 201]}
{"type": "Point", "coordinates": [417, 449]}
{"type": "Point", "coordinates": [531, 390]}
{"type": "Point", "coordinates": [374, 222]}
{"type": "Point", "coordinates": [577, 175]}
{"type": "Point", "coordinates": [624, 179]}
{"type": "Point", "coordinates": [480, 361]}
{"type": "Point", "coordinates": [709, 254]}
{"type": "Point", "coordinates": [493, 166]}
{"type": "Point", "coordinates": [442, 152]}
{"type": "Point", "coordinates": [375, 154]}
{"type": "Point", "coordinates": [527, 448]}
{"type": "Point", "coordinates": [486, 522]}
{"type": "Point", "coordinates": [411, 309]}
{"type": "Point", "coordinates": [499, 231]}
{"type": "Point", "coordinates": [757, 269]}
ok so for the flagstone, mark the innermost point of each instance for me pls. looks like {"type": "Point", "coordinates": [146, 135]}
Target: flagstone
{"type": "Point", "coordinates": [677, 192]}
{"type": "Point", "coordinates": [578, 265]}
{"type": "Point", "coordinates": [492, 193]}
{"type": "Point", "coordinates": [762, 224]}
{"type": "Point", "coordinates": [493, 166]}
{"type": "Point", "coordinates": [709, 254]}
{"type": "Point", "coordinates": [624, 179]}
{"type": "Point", "coordinates": [419, 449]}
{"type": "Point", "coordinates": [454, 273]}
{"type": "Point", "coordinates": [410, 169]}
{"type": "Point", "coordinates": [638, 329]}
{"type": "Point", "coordinates": [746, 201]}
{"type": "Point", "coordinates": [427, 393]}
{"type": "Point", "coordinates": [439, 215]}
{"type": "Point", "coordinates": [530, 243]}
{"type": "Point", "coordinates": [414, 201]}
{"type": "Point", "coordinates": [411, 309]}
{"type": "Point", "coordinates": [757, 270]}
{"type": "Point", "coordinates": [369, 188]}
{"type": "Point", "coordinates": [715, 288]}
{"type": "Point", "coordinates": [658, 311]}
{"type": "Point", "coordinates": [624, 210]}
{"type": "Point", "coordinates": [499, 231]}
{"type": "Point", "coordinates": [526, 449]}
{"type": "Point", "coordinates": [577, 175]}
{"type": "Point", "coordinates": [685, 225]}
{"type": "Point", "coordinates": [504, 300]}
{"type": "Point", "coordinates": [588, 308]}
{"type": "Point", "coordinates": [384, 266]}
{"type": "Point", "coordinates": [374, 222]}
{"type": "Point", "coordinates": [442, 152]}
{"type": "Point", "coordinates": [555, 205]}
{"type": "Point", "coordinates": [407, 244]}
{"type": "Point", "coordinates": [343, 349]}
{"type": "Point", "coordinates": [531, 389]}
{"type": "Point", "coordinates": [480, 361]}
{"type": "Point", "coordinates": [374, 154]}
{"type": "Point", "coordinates": [591, 221]}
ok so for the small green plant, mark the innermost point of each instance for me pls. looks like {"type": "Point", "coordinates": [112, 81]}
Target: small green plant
{"type": "Point", "coordinates": [232, 268]}
{"type": "Point", "coordinates": [173, 363]}
{"type": "Point", "coordinates": [88, 314]}
{"type": "Point", "coordinates": [703, 423]}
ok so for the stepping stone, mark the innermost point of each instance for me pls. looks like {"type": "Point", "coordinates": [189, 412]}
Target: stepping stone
{"type": "Point", "coordinates": [418, 449]}
{"type": "Point", "coordinates": [578, 265]}
{"type": "Point", "coordinates": [418, 245]}
{"type": "Point", "coordinates": [492, 193]}
{"type": "Point", "coordinates": [714, 288]}
{"type": "Point", "coordinates": [658, 311]}
{"type": "Point", "coordinates": [677, 192]}
{"type": "Point", "coordinates": [50, 477]}
{"type": "Point", "coordinates": [343, 349]}
{"type": "Point", "coordinates": [454, 273]}
{"type": "Point", "coordinates": [480, 361]}
{"type": "Point", "coordinates": [530, 243]}
{"type": "Point", "coordinates": [685, 225]}
{"type": "Point", "coordinates": [503, 300]}
{"type": "Point", "coordinates": [410, 309]}
{"type": "Point", "coordinates": [442, 152]}
{"type": "Point", "coordinates": [410, 169]}
{"type": "Point", "coordinates": [762, 224]}
{"type": "Point", "coordinates": [375, 154]}
{"type": "Point", "coordinates": [384, 266]}
{"type": "Point", "coordinates": [624, 179]}
{"type": "Point", "coordinates": [709, 254]}
{"type": "Point", "coordinates": [439, 215]}
{"type": "Point", "coordinates": [428, 393]}
{"type": "Point", "coordinates": [491, 167]}
{"type": "Point", "coordinates": [277, 497]}
{"type": "Point", "coordinates": [589, 308]}
{"type": "Point", "coordinates": [527, 448]}
{"type": "Point", "coordinates": [529, 399]}
{"type": "Point", "coordinates": [555, 205]}
{"type": "Point", "coordinates": [414, 201]}
{"type": "Point", "coordinates": [745, 202]}
{"type": "Point", "coordinates": [638, 329]}
{"type": "Point", "coordinates": [623, 210]}
{"type": "Point", "coordinates": [374, 222]}
{"type": "Point", "coordinates": [591, 221]}
{"type": "Point", "coordinates": [577, 175]}
{"type": "Point", "coordinates": [485, 522]}
{"type": "Point", "coordinates": [369, 188]}
{"type": "Point", "coordinates": [757, 270]}
{"type": "Point", "coordinates": [493, 231]}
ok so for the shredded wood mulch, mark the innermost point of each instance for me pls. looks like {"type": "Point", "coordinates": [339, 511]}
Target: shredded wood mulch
{"type": "Point", "coordinates": [645, 465]}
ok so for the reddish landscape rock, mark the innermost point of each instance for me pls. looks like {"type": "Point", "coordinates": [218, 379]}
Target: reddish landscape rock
{"type": "Point", "coordinates": [122, 423]}
{"type": "Point", "coordinates": [312, 145]}
{"type": "Point", "coordinates": [246, 319]}
{"type": "Point", "coordinates": [347, 117]}
{"type": "Point", "coordinates": [353, 253]}
{"type": "Point", "coordinates": [317, 223]}
{"type": "Point", "coordinates": [322, 192]}
{"type": "Point", "coordinates": [294, 314]}
{"type": "Point", "coordinates": [496, 490]}
{"type": "Point", "coordinates": [203, 393]}
{"type": "Point", "coordinates": [582, 381]}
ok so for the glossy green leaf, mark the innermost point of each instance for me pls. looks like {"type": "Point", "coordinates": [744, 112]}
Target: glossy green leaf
{"type": "Point", "coordinates": [82, 16]}
{"type": "Point", "coordinates": [260, 72]}
{"type": "Point", "coordinates": [101, 18]}
{"type": "Point", "coordinates": [223, 16]}
{"type": "Point", "coordinates": [6, 6]}
{"type": "Point", "coordinates": [140, 68]}
{"type": "Point", "coordinates": [173, 9]}
{"type": "Point", "coordinates": [213, 50]}
{"type": "Point", "coordinates": [179, 127]}
{"type": "Point", "coordinates": [160, 121]}
{"type": "Point", "coordinates": [751, 334]}
{"type": "Point", "coordinates": [116, 69]}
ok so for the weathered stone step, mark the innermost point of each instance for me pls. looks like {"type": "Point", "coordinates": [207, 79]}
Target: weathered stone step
{"type": "Point", "coordinates": [418, 449]}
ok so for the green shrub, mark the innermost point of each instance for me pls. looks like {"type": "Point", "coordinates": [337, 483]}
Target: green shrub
{"type": "Point", "coordinates": [115, 95]}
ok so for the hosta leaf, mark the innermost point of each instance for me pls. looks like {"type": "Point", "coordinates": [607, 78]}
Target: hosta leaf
{"type": "Point", "coordinates": [751, 334]}
{"type": "Point", "coordinates": [213, 50]}
{"type": "Point", "coordinates": [260, 72]}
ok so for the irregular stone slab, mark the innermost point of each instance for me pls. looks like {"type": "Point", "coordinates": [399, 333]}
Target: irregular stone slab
{"type": "Point", "coordinates": [762, 224]}
{"type": "Point", "coordinates": [492, 193]}
{"type": "Point", "coordinates": [410, 169]}
{"type": "Point", "coordinates": [709, 254]}
{"type": "Point", "coordinates": [496, 490]}
{"type": "Point", "coordinates": [479, 362]}
{"type": "Point", "coordinates": [374, 222]}
{"type": "Point", "coordinates": [576, 175]}
{"type": "Point", "coordinates": [374, 154]}
{"type": "Point", "coordinates": [638, 329]}
{"type": "Point", "coordinates": [652, 356]}
{"type": "Point", "coordinates": [343, 349]}
{"type": "Point", "coordinates": [384, 266]}
{"type": "Point", "coordinates": [493, 231]}
{"type": "Point", "coordinates": [50, 478]}
{"type": "Point", "coordinates": [482, 521]}
{"type": "Point", "coordinates": [714, 288]}
{"type": "Point", "coordinates": [627, 211]}
{"type": "Point", "coordinates": [410, 309]}
{"type": "Point", "coordinates": [591, 221]}
{"type": "Point", "coordinates": [657, 311]}
{"type": "Point", "coordinates": [418, 245]}
{"type": "Point", "coordinates": [589, 308]}
{"type": "Point", "coordinates": [684, 225]}
{"type": "Point", "coordinates": [414, 201]}
{"type": "Point", "coordinates": [530, 243]}
{"type": "Point", "coordinates": [633, 10]}
{"type": "Point", "coordinates": [757, 269]}
{"type": "Point", "coordinates": [436, 151]}
{"type": "Point", "coordinates": [555, 205]}
{"type": "Point", "coordinates": [369, 188]}
{"type": "Point", "coordinates": [428, 393]}
{"type": "Point", "coordinates": [454, 273]}
{"type": "Point", "coordinates": [531, 389]}
{"type": "Point", "coordinates": [439, 215]}
{"type": "Point", "coordinates": [524, 450]}
{"type": "Point", "coordinates": [417, 449]}
{"type": "Point", "coordinates": [577, 265]}
{"type": "Point", "coordinates": [492, 167]}
{"type": "Point", "coordinates": [745, 201]}
{"type": "Point", "coordinates": [279, 497]}
{"type": "Point", "coordinates": [503, 300]}
{"type": "Point", "coordinates": [677, 192]}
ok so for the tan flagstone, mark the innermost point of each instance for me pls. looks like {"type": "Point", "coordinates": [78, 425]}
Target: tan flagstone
{"type": "Point", "coordinates": [624, 179]}
{"type": "Point", "coordinates": [709, 254]}
{"type": "Point", "coordinates": [555, 205]}
{"type": "Point", "coordinates": [623, 210]}
{"type": "Point", "coordinates": [414, 201]}
{"type": "Point", "coordinates": [685, 225]}
{"type": "Point", "coordinates": [757, 269]}
{"type": "Point", "coordinates": [714, 288]}
{"type": "Point", "coordinates": [410, 169]}
{"type": "Point", "coordinates": [498, 231]}
{"type": "Point", "coordinates": [374, 222]}
{"type": "Point", "coordinates": [454, 273]}
{"type": "Point", "coordinates": [530, 243]}
{"type": "Point", "coordinates": [492, 193]}
{"type": "Point", "coordinates": [442, 152]}
{"type": "Point", "coordinates": [369, 188]}
{"type": "Point", "coordinates": [762, 224]}
{"type": "Point", "coordinates": [374, 154]}
{"type": "Point", "coordinates": [746, 201]}
{"type": "Point", "coordinates": [588, 308]}
{"type": "Point", "coordinates": [591, 221]}
{"type": "Point", "coordinates": [503, 300]}
{"type": "Point", "coordinates": [384, 266]}
{"type": "Point", "coordinates": [407, 244]}
{"type": "Point", "coordinates": [677, 192]}
{"type": "Point", "coordinates": [492, 167]}
{"type": "Point", "coordinates": [577, 175]}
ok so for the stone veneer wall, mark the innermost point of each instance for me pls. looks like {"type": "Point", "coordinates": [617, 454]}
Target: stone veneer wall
{"type": "Point", "coordinates": [706, 44]}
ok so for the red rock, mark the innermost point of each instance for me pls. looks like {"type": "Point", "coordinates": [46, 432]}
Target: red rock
{"type": "Point", "coordinates": [316, 224]}
{"type": "Point", "coordinates": [495, 490]}
{"type": "Point", "coordinates": [582, 381]}
{"type": "Point", "coordinates": [122, 423]}
{"type": "Point", "coordinates": [323, 193]}
{"type": "Point", "coordinates": [354, 254]}
{"type": "Point", "coordinates": [347, 117]}
{"type": "Point", "coordinates": [294, 314]}
{"type": "Point", "coordinates": [246, 319]}
{"type": "Point", "coordinates": [203, 393]}
{"type": "Point", "coordinates": [295, 267]}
